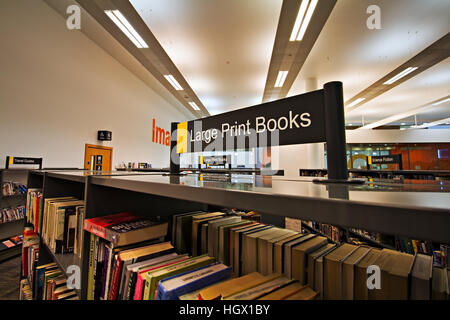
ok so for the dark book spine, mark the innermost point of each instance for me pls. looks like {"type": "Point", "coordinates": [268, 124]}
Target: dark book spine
{"type": "Point", "coordinates": [115, 279]}
{"type": "Point", "coordinates": [105, 271]}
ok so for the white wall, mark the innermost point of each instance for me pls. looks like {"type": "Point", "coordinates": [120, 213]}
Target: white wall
{"type": "Point", "coordinates": [57, 88]}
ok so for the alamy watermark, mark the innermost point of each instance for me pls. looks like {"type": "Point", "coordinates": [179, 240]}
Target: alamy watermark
{"type": "Point", "coordinates": [73, 21]}
{"type": "Point", "coordinates": [374, 20]}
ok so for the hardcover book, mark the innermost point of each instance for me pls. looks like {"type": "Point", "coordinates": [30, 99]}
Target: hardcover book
{"type": "Point", "coordinates": [125, 228]}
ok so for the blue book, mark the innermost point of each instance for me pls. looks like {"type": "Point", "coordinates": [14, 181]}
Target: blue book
{"type": "Point", "coordinates": [175, 286]}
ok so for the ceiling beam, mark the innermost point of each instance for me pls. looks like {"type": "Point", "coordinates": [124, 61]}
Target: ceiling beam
{"type": "Point", "coordinates": [425, 59]}
{"type": "Point", "coordinates": [403, 115]}
{"type": "Point", "coordinates": [154, 58]}
{"type": "Point", "coordinates": [291, 55]}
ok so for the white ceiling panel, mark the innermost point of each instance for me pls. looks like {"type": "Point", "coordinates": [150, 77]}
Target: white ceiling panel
{"type": "Point", "coordinates": [222, 48]}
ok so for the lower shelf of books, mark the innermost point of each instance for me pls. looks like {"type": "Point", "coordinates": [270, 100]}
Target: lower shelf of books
{"type": "Point", "coordinates": [227, 254]}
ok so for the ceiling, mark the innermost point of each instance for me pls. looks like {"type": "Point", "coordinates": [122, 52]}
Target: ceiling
{"type": "Point", "coordinates": [223, 49]}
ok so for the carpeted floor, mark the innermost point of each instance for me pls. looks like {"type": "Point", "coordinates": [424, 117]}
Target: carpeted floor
{"type": "Point", "coordinates": [9, 279]}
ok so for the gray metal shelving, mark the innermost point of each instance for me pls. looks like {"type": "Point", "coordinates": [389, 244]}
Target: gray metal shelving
{"type": "Point", "coordinates": [421, 212]}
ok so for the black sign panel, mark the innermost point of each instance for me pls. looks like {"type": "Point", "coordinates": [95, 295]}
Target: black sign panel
{"type": "Point", "coordinates": [104, 135]}
{"type": "Point", "coordinates": [22, 160]}
{"type": "Point", "coordinates": [395, 158]}
{"type": "Point", "coordinates": [294, 120]}
{"type": "Point", "coordinates": [216, 160]}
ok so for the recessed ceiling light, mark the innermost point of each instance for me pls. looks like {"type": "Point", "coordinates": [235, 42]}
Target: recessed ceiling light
{"type": "Point", "coordinates": [440, 102]}
{"type": "Point", "coordinates": [194, 106]}
{"type": "Point", "coordinates": [354, 103]}
{"type": "Point", "coordinates": [401, 75]}
{"type": "Point", "coordinates": [117, 17]}
{"type": "Point", "coordinates": [302, 21]}
{"type": "Point", "coordinates": [280, 79]}
{"type": "Point", "coordinates": [173, 82]}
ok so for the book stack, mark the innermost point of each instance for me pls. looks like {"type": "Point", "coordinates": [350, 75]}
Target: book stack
{"type": "Point", "coordinates": [25, 292]}
{"type": "Point", "coordinates": [50, 283]}
{"type": "Point", "coordinates": [13, 188]}
{"type": "Point", "coordinates": [12, 214]}
{"type": "Point", "coordinates": [120, 245]}
{"type": "Point", "coordinates": [30, 251]}
{"type": "Point", "coordinates": [61, 224]}
{"type": "Point", "coordinates": [254, 286]}
{"type": "Point", "coordinates": [34, 208]}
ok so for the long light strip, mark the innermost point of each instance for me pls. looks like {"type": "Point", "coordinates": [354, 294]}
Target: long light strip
{"type": "Point", "coordinates": [441, 102]}
{"type": "Point", "coordinates": [298, 21]}
{"type": "Point", "coordinates": [280, 79]}
{"type": "Point", "coordinates": [432, 124]}
{"type": "Point", "coordinates": [354, 103]}
{"type": "Point", "coordinates": [401, 75]}
{"type": "Point", "coordinates": [194, 106]}
{"type": "Point", "coordinates": [402, 115]}
{"type": "Point", "coordinates": [305, 22]}
{"type": "Point", "coordinates": [173, 82]}
{"type": "Point", "coordinates": [117, 17]}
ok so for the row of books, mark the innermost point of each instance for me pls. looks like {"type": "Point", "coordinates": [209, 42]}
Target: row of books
{"type": "Point", "coordinates": [13, 188]}
{"type": "Point", "coordinates": [154, 271]}
{"type": "Point", "coordinates": [50, 283]}
{"type": "Point", "coordinates": [62, 224]}
{"type": "Point", "coordinates": [12, 214]}
{"type": "Point", "coordinates": [30, 254]}
{"type": "Point", "coordinates": [34, 208]}
{"type": "Point", "coordinates": [332, 232]}
{"type": "Point", "coordinates": [334, 271]}
{"type": "Point", "coordinates": [25, 292]}
{"type": "Point", "coordinates": [116, 242]}
{"type": "Point", "coordinates": [441, 257]}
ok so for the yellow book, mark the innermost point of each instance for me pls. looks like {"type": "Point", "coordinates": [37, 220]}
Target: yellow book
{"type": "Point", "coordinates": [283, 292]}
{"type": "Point", "coordinates": [227, 288]}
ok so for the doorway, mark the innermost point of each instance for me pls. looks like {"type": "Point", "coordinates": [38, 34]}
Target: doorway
{"type": "Point", "coordinates": [97, 158]}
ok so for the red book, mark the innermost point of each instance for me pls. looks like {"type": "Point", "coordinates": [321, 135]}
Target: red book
{"type": "Point", "coordinates": [115, 279]}
{"type": "Point", "coordinates": [125, 228]}
{"type": "Point", "coordinates": [36, 215]}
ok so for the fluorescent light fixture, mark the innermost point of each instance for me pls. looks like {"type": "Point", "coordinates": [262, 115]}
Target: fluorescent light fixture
{"type": "Point", "coordinates": [432, 124]}
{"type": "Point", "coordinates": [403, 115]}
{"type": "Point", "coordinates": [173, 82]}
{"type": "Point", "coordinates": [441, 102]}
{"type": "Point", "coordinates": [194, 106]}
{"type": "Point", "coordinates": [304, 15]}
{"type": "Point", "coordinates": [281, 78]}
{"type": "Point", "coordinates": [354, 103]}
{"type": "Point", "coordinates": [401, 75]}
{"type": "Point", "coordinates": [117, 17]}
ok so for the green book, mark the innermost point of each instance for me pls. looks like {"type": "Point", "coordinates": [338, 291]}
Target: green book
{"type": "Point", "coordinates": [153, 278]}
{"type": "Point", "coordinates": [91, 281]}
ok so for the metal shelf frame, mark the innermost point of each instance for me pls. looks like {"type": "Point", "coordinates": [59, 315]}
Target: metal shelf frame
{"type": "Point", "coordinates": [112, 194]}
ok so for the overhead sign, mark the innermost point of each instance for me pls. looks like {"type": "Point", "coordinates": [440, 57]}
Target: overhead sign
{"type": "Point", "coordinates": [215, 160]}
{"type": "Point", "coordinates": [390, 159]}
{"type": "Point", "coordinates": [22, 160]}
{"type": "Point", "coordinates": [294, 120]}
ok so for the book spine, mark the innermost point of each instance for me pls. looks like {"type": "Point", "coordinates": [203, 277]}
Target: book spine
{"type": "Point", "coordinates": [90, 291]}
{"type": "Point", "coordinates": [99, 231]}
{"type": "Point", "coordinates": [115, 279]}
{"type": "Point", "coordinates": [105, 271]}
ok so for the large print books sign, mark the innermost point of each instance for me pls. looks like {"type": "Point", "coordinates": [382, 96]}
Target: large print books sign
{"type": "Point", "coordinates": [316, 116]}
{"type": "Point", "coordinates": [293, 120]}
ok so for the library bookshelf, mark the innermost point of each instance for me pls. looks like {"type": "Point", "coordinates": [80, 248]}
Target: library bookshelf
{"type": "Point", "coordinates": [419, 212]}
